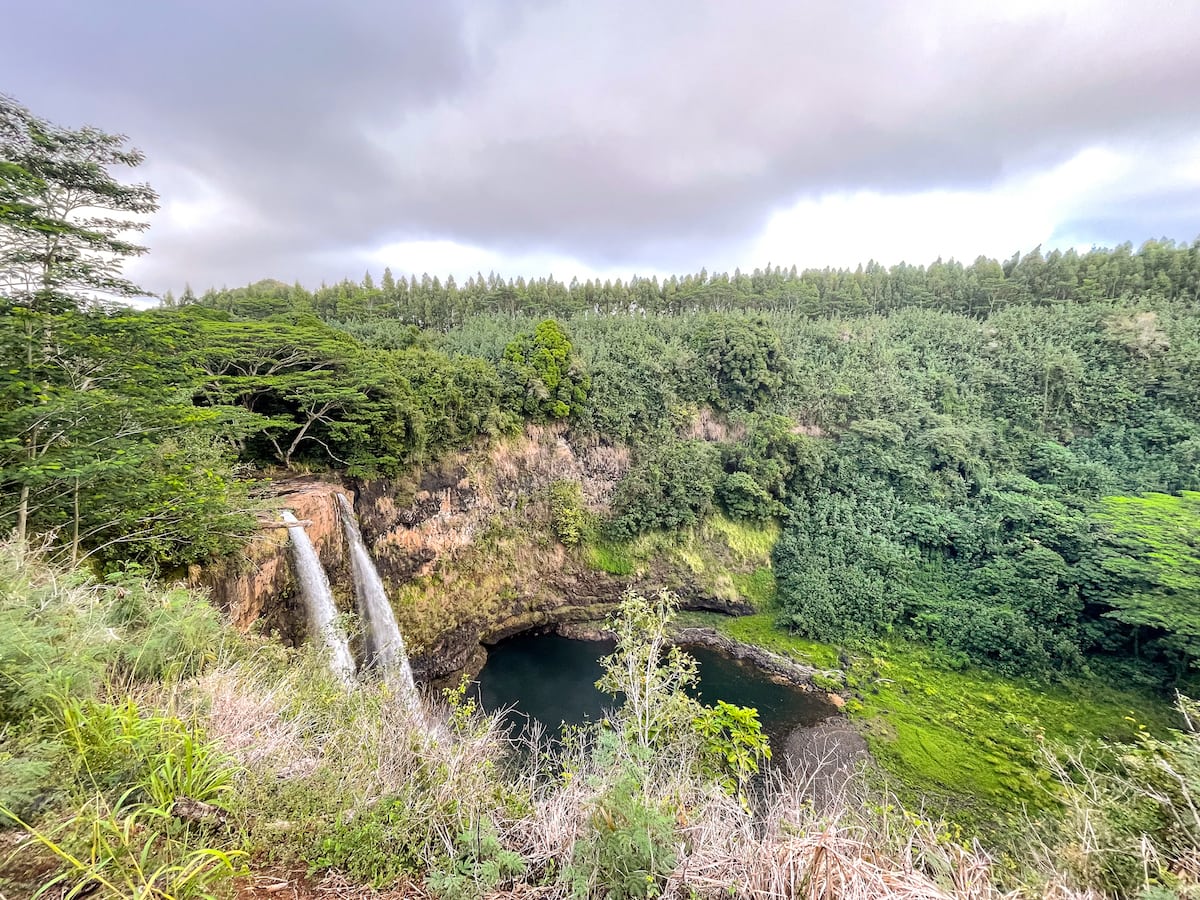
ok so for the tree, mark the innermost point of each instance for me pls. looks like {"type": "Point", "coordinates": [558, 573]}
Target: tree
{"type": "Point", "coordinates": [61, 248]}
{"type": "Point", "coordinates": [668, 486]}
{"type": "Point", "coordinates": [745, 361]}
{"type": "Point", "coordinates": [61, 244]}
{"type": "Point", "coordinates": [125, 467]}
{"type": "Point", "coordinates": [299, 383]}
{"type": "Point", "coordinates": [1149, 568]}
{"type": "Point", "coordinates": [101, 442]}
{"type": "Point", "coordinates": [546, 374]}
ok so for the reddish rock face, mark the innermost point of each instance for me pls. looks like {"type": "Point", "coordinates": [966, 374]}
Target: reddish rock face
{"type": "Point", "coordinates": [433, 536]}
{"type": "Point", "coordinates": [259, 584]}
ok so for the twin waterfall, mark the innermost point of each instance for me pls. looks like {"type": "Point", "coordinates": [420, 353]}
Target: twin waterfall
{"type": "Point", "coordinates": [318, 600]}
{"type": "Point", "coordinates": [382, 645]}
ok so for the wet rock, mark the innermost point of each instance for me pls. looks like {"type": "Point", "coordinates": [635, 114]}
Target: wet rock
{"type": "Point", "coordinates": [258, 585]}
{"type": "Point", "coordinates": [585, 631]}
{"type": "Point", "coordinates": [826, 755]}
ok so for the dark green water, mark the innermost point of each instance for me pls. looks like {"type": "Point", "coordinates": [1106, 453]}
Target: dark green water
{"type": "Point", "coordinates": [553, 679]}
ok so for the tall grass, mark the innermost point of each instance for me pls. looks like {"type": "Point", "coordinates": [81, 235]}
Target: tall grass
{"type": "Point", "coordinates": [358, 789]}
{"type": "Point", "coordinates": [92, 758]}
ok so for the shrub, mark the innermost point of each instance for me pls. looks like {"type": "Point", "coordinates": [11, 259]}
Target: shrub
{"type": "Point", "coordinates": [172, 634]}
{"type": "Point", "coordinates": [628, 849]}
{"type": "Point", "coordinates": [50, 639]}
{"type": "Point", "coordinates": [379, 846]}
{"type": "Point", "coordinates": [744, 498]}
{"type": "Point", "coordinates": [481, 865]}
{"type": "Point", "coordinates": [733, 745]}
{"type": "Point", "coordinates": [25, 781]}
{"type": "Point", "coordinates": [667, 487]}
{"type": "Point", "coordinates": [567, 515]}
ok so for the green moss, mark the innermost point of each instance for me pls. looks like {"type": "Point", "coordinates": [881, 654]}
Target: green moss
{"type": "Point", "coordinates": [978, 737]}
{"type": "Point", "coordinates": [721, 558]}
{"type": "Point", "coordinates": [828, 681]}
{"type": "Point", "coordinates": [615, 559]}
{"type": "Point", "coordinates": [969, 741]}
{"type": "Point", "coordinates": [758, 587]}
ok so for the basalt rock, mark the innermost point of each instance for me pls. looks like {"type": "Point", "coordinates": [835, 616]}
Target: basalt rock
{"type": "Point", "coordinates": [258, 586]}
{"type": "Point", "coordinates": [464, 548]}
{"type": "Point", "coordinates": [780, 667]}
{"type": "Point", "coordinates": [826, 756]}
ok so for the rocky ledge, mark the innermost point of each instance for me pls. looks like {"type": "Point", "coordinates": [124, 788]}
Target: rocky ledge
{"type": "Point", "coordinates": [778, 667]}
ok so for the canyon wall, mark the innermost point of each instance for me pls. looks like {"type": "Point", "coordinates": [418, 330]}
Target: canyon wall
{"type": "Point", "coordinates": [257, 588]}
{"type": "Point", "coordinates": [465, 549]}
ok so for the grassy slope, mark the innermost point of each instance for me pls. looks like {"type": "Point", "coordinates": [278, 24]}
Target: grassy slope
{"type": "Point", "coordinates": [968, 741]}
{"type": "Point", "coordinates": [721, 558]}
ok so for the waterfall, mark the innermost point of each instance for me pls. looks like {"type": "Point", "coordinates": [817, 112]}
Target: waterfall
{"type": "Point", "coordinates": [382, 644]}
{"type": "Point", "coordinates": [314, 588]}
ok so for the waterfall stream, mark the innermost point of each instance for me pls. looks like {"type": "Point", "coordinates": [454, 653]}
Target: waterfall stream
{"type": "Point", "coordinates": [383, 647]}
{"type": "Point", "coordinates": [318, 600]}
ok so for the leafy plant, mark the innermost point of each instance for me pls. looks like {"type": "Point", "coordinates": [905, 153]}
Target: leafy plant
{"type": "Point", "coordinates": [127, 855]}
{"type": "Point", "coordinates": [628, 849]}
{"type": "Point", "coordinates": [481, 865]}
{"type": "Point", "coordinates": [567, 515]}
{"type": "Point", "coordinates": [380, 845]}
{"type": "Point", "coordinates": [732, 742]}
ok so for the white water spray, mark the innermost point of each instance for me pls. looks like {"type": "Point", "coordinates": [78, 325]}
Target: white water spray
{"type": "Point", "coordinates": [318, 600]}
{"type": "Point", "coordinates": [383, 647]}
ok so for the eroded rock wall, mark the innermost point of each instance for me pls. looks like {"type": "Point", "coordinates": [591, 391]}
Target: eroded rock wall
{"type": "Point", "coordinates": [465, 549]}
{"type": "Point", "coordinates": [258, 586]}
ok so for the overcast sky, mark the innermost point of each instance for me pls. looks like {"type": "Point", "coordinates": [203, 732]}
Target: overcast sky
{"type": "Point", "coordinates": [314, 140]}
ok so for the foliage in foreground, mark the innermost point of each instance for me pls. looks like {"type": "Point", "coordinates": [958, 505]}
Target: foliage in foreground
{"type": "Point", "coordinates": [92, 773]}
{"type": "Point", "coordinates": [290, 767]}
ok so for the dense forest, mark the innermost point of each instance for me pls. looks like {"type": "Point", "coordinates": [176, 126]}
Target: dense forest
{"type": "Point", "coordinates": [999, 459]}
{"type": "Point", "coordinates": [1011, 480]}
{"type": "Point", "coordinates": [999, 462]}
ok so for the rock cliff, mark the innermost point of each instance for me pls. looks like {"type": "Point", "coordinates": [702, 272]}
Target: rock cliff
{"type": "Point", "coordinates": [465, 548]}
{"type": "Point", "coordinates": [258, 587]}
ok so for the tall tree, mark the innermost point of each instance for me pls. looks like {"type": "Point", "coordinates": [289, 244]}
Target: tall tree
{"type": "Point", "coordinates": [65, 215]}
{"type": "Point", "coordinates": [64, 218]}
{"type": "Point", "coordinates": [1149, 568]}
{"type": "Point", "coordinates": [546, 375]}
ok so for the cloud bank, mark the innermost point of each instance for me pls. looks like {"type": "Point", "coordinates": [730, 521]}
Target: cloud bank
{"type": "Point", "coordinates": [311, 140]}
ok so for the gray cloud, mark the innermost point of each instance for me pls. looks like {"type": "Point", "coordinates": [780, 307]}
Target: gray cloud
{"type": "Point", "coordinates": [617, 133]}
{"type": "Point", "coordinates": [1172, 214]}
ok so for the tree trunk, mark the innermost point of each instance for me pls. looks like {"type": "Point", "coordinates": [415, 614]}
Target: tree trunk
{"type": "Point", "coordinates": [22, 517]}
{"type": "Point", "coordinates": [1045, 398]}
{"type": "Point", "coordinates": [75, 522]}
{"type": "Point", "coordinates": [23, 505]}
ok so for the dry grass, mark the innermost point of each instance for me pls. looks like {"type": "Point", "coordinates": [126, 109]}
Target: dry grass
{"type": "Point", "coordinates": [251, 727]}
{"type": "Point", "coordinates": [806, 834]}
{"type": "Point", "coordinates": [849, 846]}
